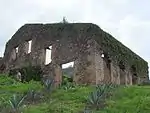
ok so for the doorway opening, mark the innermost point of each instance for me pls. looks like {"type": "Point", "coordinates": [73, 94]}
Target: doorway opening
{"type": "Point", "coordinates": [107, 67]}
{"type": "Point", "coordinates": [67, 73]}
{"type": "Point", "coordinates": [134, 75]}
{"type": "Point", "coordinates": [122, 73]}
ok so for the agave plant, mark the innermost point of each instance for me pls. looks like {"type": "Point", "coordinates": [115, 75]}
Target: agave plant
{"type": "Point", "coordinates": [97, 97]}
{"type": "Point", "coordinates": [31, 95]}
{"type": "Point", "coordinates": [3, 103]}
{"type": "Point", "coordinates": [105, 87]}
{"type": "Point", "coordinates": [16, 102]}
{"type": "Point", "coordinates": [48, 84]}
{"type": "Point", "coordinates": [68, 86]}
{"type": "Point", "coordinates": [86, 110]}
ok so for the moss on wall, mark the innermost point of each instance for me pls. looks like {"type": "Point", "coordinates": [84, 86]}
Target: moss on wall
{"type": "Point", "coordinates": [115, 49]}
{"type": "Point", "coordinates": [118, 52]}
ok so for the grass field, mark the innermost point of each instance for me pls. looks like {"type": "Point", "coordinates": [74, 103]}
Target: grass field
{"type": "Point", "coordinates": [131, 99]}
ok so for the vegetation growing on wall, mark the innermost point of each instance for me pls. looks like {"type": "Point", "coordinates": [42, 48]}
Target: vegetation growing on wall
{"type": "Point", "coordinates": [28, 73]}
{"type": "Point", "coordinates": [115, 49]}
{"type": "Point", "coordinates": [118, 52]}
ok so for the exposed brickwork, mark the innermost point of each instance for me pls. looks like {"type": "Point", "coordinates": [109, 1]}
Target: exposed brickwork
{"type": "Point", "coordinates": [83, 43]}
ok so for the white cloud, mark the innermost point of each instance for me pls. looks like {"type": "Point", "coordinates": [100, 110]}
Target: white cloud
{"type": "Point", "coordinates": [127, 20]}
{"type": "Point", "coordinates": [135, 34]}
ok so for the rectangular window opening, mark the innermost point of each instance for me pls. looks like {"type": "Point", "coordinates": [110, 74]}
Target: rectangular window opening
{"type": "Point", "coordinates": [67, 65]}
{"type": "Point", "coordinates": [48, 58]}
{"type": "Point", "coordinates": [15, 53]}
{"type": "Point", "coordinates": [29, 46]}
{"type": "Point", "coordinates": [16, 50]}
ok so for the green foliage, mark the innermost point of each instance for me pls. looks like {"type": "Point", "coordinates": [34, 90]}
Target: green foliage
{"type": "Point", "coordinates": [130, 99]}
{"type": "Point", "coordinates": [20, 87]}
{"type": "Point", "coordinates": [118, 52]}
{"type": "Point", "coordinates": [63, 101]}
{"type": "Point", "coordinates": [16, 101]}
{"type": "Point", "coordinates": [31, 73]}
{"type": "Point", "coordinates": [38, 108]}
{"type": "Point", "coordinates": [133, 99]}
{"type": "Point", "coordinates": [33, 96]}
{"type": "Point", "coordinates": [66, 79]}
{"type": "Point", "coordinates": [5, 80]}
{"type": "Point", "coordinates": [48, 85]}
{"type": "Point", "coordinates": [68, 86]}
{"type": "Point", "coordinates": [6, 91]}
{"type": "Point", "coordinates": [145, 83]}
{"type": "Point", "coordinates": [3, 103]}
{"type": "Point", "coordinates": [28, 73]}
{"type": "Point", "coordinates": [67, 83]}
{"type": "Point", "coordinates": [86, 110]}
{"type": "Point", "coordinates": [96, 98]}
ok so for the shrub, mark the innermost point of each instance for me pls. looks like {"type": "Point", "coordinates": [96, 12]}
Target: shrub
{"type": "Point", "coordinates": [5, 80]}
{"type": "Point", "coordinates": [33, 96]}
{"type": "Point", "coordinates": [16, 101]}
{"type": "Point", "coordinates": [3, 104]}
{"type": "Point", "coordinates": [28, 73]}
{"type": "Point", "coordinates": [31, 73]}
{"type": "Point", "coordinates": [145, 83]}
{"type": "Point", "coordinates": [66, 79]}
{"type": "Point", "coordinates": [68, 86]}
{"type": "Point", "coordinates": [67, 83]}
{"type": "Point", "coordinates": [97, 97]}
{"type": "Point", "coordinates": [48, 85]}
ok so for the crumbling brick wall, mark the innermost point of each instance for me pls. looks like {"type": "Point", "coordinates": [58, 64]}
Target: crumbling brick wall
{"type": "Point", "coordinates": [2, 65]}
{"type": "Point", "coordinates": [83, 43]}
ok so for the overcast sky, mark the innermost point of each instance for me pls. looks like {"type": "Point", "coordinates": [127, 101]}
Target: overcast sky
{"type": "Point", "coordinates": [127, 20]}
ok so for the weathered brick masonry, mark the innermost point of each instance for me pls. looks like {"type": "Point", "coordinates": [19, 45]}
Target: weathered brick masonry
{"type": "Point", "coordinates": [98, 57]}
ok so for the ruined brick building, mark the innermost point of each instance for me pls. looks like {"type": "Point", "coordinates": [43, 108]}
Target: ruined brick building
{"type": "Point", "coordinates": [98, 57]}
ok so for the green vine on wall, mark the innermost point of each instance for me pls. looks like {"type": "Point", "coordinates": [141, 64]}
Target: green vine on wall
{"type": "Point", "coordinates": [118, 52]}
{"type": "Point", "coordinates": [115, 49]}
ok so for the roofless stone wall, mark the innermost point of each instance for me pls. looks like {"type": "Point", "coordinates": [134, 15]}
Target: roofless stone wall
{"type": "Point", "coordinates": [70, 41]}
